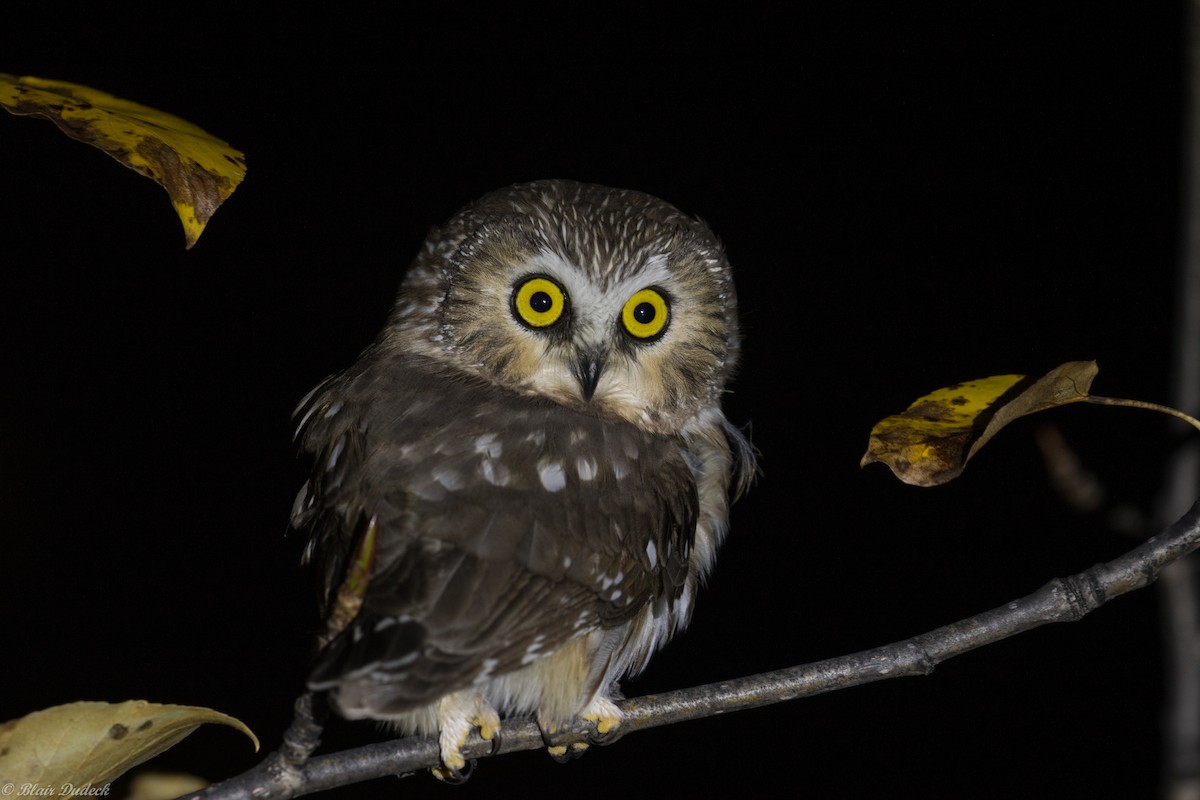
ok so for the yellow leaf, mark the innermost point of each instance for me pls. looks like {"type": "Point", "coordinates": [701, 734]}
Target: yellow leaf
{"type": "Point", "coordinates": [933, 439]}
{"type": "Point", "coordinates": [198, 170]}
{"type": "Point", "coordinates": [350, 594]}
{"type": "Point", "coordinates": [93, 743]}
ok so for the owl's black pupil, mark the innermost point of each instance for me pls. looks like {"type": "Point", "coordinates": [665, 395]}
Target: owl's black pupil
{"type": "Point", "coordinates": [644, 313]}
{"type": "Point", "coordinates": [541, 302]}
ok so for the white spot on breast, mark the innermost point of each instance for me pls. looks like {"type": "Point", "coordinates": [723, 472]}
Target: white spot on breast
{"type": "Point", "coordinates": [620, 468]}
{"type": "Point", "coordinates": [336, 454]}
{"type": "Point", "coordinates": [488, 445]}
{"type": "Point", "coordinates": [552, 474]}
{"type": "Point", "coordinates": [531, 652]}
{"type": "Point", "coordinates": [586, 467]}
{"type": "Point", "coordinates": [566, 562]}
{"type": "Point", "coordinates": [652, 554]}
{"type": "Point", "coordinates": [430, 491]}
{"type": "Point", "coordinates": [450, 478]}
{"type": "Point", "coordinates": [615, 596]}
{"type": "Point", "coordinates": [493, 473]}
{"type": "Point", "coordinates": [538, 438]}
{"type": "Point", "coordinates": [631, 450]}
{"type": "Point", "coordinates": [489, 666]}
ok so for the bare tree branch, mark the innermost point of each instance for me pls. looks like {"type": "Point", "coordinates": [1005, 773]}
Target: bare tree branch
{"type": "Point", "coordinates": [1060, 600]}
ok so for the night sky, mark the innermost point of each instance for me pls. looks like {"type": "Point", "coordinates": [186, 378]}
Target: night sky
{"type": "Point", "coordinates": [911, 195]}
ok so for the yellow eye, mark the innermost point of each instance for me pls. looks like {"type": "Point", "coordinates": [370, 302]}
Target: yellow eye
{"type": "Point", "coordinates": [646, 314]}
{"type": "Point", "coordinates": [538, 302]}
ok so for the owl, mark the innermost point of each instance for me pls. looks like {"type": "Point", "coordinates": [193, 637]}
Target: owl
{"type": "Point", "coordinates": [536, 441]}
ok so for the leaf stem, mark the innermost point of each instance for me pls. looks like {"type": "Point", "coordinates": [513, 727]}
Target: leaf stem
{"type": "Point", "coordinates": [1174, 412]}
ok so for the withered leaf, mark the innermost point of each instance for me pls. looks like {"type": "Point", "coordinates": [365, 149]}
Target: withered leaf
{"type": "Point", "coordinates": [931, 442]}
{"type": "Point", "coordinates": [93, 742]}
{"type": "Point", "coordinates": [198, 170]}
{"type": "Point", "coordinates": [350, 594]}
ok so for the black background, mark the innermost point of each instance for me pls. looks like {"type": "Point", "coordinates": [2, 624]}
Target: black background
{"type": "Point", "coordinates": [911, 194]}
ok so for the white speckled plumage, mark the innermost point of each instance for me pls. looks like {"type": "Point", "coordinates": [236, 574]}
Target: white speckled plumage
{"type": "Point", "coordinates": [549, 472]}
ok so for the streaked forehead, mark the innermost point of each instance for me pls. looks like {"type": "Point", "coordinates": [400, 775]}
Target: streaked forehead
{"type": "Point", "coordinates": [607, 234]}
{"type": "Point", "coordinates": [647, 271]}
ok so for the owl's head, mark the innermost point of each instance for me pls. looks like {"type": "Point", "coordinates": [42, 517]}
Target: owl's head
{"type": "Point", "coordinates": [608, 301]}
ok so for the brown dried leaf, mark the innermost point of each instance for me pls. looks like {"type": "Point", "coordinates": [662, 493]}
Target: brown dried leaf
{"type": "Point", "coordinates": [931, 442]}
{"type": "Point", "coordinates": [94, 743]}
{"type": "Point", "coordinates": [350, 594]}
{"type": "Point", "coordinates": [198, 170]}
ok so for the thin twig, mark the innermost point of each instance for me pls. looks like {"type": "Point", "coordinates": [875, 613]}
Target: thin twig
{"type": "Point", "coordinates": [1075, 484]}
{"type": "Point", "coordinates": [1145, 405]}
{"type": "Point", "coordinates": [1060, 600]}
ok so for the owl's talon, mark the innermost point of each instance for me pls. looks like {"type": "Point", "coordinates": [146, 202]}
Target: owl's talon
{"type": "Point", "coordinates": [602, 732]}
{"type": "Point", "coordinates": [559, 752]}
{"type": "Point", "coordinates": [455, 776]}
{"type": "Point", "coordinates": [602, 739]}
{"type": "Point", "coordinates": [488, 725]}
{"type": "Point", "coordinates": [459, 714]}
{"type": "Point", "coordinates": [605, 717]}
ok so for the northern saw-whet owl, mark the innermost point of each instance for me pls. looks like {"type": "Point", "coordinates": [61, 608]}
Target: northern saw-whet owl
{"type": "Point", "coordinates": [536, 439]}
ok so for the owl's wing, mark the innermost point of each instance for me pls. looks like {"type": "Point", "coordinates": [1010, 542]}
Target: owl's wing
{"type": "Point", "coordinates": [507, 525]}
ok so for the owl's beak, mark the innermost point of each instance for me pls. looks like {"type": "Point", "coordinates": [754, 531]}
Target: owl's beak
{"type": "Point", "coordinates": [587, 370]}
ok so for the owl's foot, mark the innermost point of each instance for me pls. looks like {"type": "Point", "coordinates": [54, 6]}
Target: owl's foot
{"type": "Point", "coordinates": [455, 776]}
{"type": "Point", "coordinates": [458, 715]}
{"type": "Point", "coordinates": [562, 753]}
{"type": "Point", "coordinates": [605, 718]}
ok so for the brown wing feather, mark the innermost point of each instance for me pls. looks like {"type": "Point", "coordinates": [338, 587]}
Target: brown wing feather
{"type": "Point", "coordinates": [501, 519]}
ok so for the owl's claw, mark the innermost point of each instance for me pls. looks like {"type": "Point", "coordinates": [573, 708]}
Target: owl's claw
{"type": "Point", "coordinates": [460, 714]}
{"type": "Point", "coordinates": [566, 753]}
{"type": "Point", "coordinates": [561, 753]}
{"type": "Point", "coordinates": [605, 717]}
{"type": "Point", "coordinates": [602, 739]}
{"type": "Point", "coordinates": [455, 776]}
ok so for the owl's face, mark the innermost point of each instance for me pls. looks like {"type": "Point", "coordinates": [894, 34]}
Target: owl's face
{"type": "Point", "coordinates": [606, 301]}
